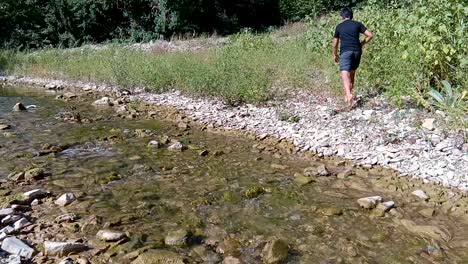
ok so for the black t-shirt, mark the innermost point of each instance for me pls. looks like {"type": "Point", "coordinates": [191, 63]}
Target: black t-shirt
{"type": "Point", "coordinates": [348, 33]}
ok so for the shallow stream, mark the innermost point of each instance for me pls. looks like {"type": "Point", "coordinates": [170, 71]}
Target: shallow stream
{"type": "Point", "coordinates": [225, 190]}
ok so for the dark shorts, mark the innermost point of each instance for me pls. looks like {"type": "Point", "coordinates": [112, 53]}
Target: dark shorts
{"type": "Point", "coordinates": [350, 60]}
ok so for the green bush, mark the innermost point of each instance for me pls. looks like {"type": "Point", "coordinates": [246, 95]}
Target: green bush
{"type": "Point", "coordinates": [416, 44]}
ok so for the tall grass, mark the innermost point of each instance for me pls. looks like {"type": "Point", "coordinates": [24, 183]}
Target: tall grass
{"type": "Point", "coordinates": [242, 70]}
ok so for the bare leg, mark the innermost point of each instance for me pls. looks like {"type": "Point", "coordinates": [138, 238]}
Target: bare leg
{"type": "Point", "coordinates": [347, 86]}
{"type": "Point", "coordinates": [352, 75]}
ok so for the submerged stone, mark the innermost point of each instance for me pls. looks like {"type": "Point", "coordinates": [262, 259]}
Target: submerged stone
{"type": "Point", "coordinates": [110, 236]}
{"type": "Point", "coordinates": [275, 251]}
{"type": "Point", "coordinates": [34, 174]}
{"type": "Point", "coordinates": [301, 179]}
{"type": "Point", "coordinates": [63, 248]}
{"type": "Point", "coordinates": [156, 256]}
{"type": "Point", "coordinates": [254, 192]}
{"type": "Point", "coordinates": [177, 238]}
{"type": "Point", "coordinates": [331, 211]}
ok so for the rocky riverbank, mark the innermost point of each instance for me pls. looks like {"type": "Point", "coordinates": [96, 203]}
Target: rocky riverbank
{"type": "Point", "coordinates": [409, 141]}
{"type": "Point", "coordinates": [96, 185]}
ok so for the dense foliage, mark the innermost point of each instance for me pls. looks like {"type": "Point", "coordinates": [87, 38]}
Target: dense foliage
{"type": "Point", "coordinates": [67, 23]}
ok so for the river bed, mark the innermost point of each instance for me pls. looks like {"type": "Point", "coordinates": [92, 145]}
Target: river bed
{"type": "Point", "coordinates": [226, 196]}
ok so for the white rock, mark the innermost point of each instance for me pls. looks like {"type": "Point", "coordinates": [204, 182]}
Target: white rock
{"type": "Point", "coordinates": [6, 211]}
{"type": "Point", "coordinates": [110, 236]}
{"type": "Point", "coordinates": [7, 230]}
{"type": "Point", "coordinates": [35, 202]}
{"type": "Point", "coordinates": [63, 248]}
{"type": "Point", "coordinates": [11, 219]}
{"type": "Point", "coordinates": [20, 224]}
{"type": "Point", "coordinates": [428, 124]}
{"type": "Point", "coordinates": [421, 194]}
{"type": "Point", "coordinates": [369, 202]}
{"type": "Point", "coordinates": [177, 146]}
{"type": "Point", "coordinates": [65, 199]}
{"type": "Point", "coordinates": [153, 144]}
{"type": "Point", "coordinates": [14, 259]}
{"type": "Point", "coordinates": [15, 246]}
{"type": "Point", "coordinates": [35, 194]}
{"type": "Point", "coordinates": [386, 206]}
{"type": "Point", "coordinates": [105, 101]}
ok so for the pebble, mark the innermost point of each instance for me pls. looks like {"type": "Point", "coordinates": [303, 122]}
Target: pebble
{"type": "Point", "coordinates": [177, 146]}
{"type": "Point", "coordinates": [369, 202]}
{"type": "Point", "coordinates": [110, 236]}
{"type": "Point", "coordinates": [420, 194]}
{"type": "Point", "coordinates": [153, 144]}
{"type": "Point", "coordinates": [65, 199]}
{"type": "Point", "coordinates": [104, 101]}
{"type": "Point", "coordinates": [20, 224]}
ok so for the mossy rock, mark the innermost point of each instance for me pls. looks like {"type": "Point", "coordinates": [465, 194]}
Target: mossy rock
{"type": "Point", "coordinates": [230, 197]}
{"type": "Point", "coordinates": [254, 192]}
{"type": "Point", "coordinates": [114, 176]}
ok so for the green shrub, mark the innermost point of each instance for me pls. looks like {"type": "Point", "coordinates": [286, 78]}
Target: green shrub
{"type": "Point", "coordinates": [417, 43]}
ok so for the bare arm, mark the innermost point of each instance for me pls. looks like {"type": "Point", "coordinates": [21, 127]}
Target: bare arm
{"type": "Point", "coordinates": [369, 37]}
{"type": "Point", "coordinates": [336, 41]}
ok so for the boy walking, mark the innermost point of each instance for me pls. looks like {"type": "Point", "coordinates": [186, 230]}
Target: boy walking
{"type": "Point", "coordinates": [347, 33]}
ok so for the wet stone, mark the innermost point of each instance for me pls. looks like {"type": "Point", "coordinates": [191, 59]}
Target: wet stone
{"type": "Point", "coordinates": [34, 174]}
{"type": "Point", "coordinates": [63, 248]}
{"type": "Point", "coordinates": [427, 212]}
{"type": "Point", "coordinates": [331, 211]}
{"type": "Point", "coordinates": [19, 107]}
{"type": "Point", "coordinates": [35, 194]}
{"type": "Point", "coordinates": [275, 251]}
{"type": "Point", "coordinates": [229, 247]}
{"type": "Point", "coordinates": [155, 256]}
{"type": "Point", "coordinates": [301, 179]}
{"type": "Point", "coordinates": [177, 238]}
